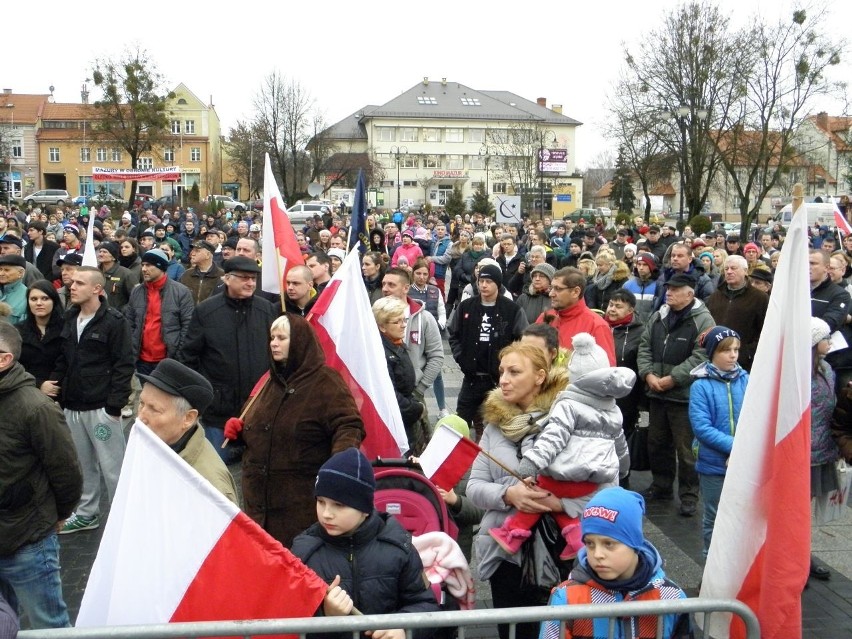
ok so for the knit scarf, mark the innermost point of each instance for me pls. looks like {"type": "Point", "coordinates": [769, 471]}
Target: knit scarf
{"type": "Point", "coordinates": [622, 322]}
{"type": "Point", "coordinates": [728, 376]}
{"type": "Point", "coordinates": [519, 427]}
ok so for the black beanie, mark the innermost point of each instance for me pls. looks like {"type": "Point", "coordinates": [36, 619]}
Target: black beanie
{"type": "Point", "coordinates": [491, 272]}
{"type": "Point", "coordinates": [347, 478]}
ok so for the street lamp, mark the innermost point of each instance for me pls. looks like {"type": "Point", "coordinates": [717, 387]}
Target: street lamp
{"type": "Point", "coordinates": [685, 116]}
{"type": "Point", "coordinates": [546, 137]}
{"type": "Point", "coordinates": [486, 152]}
{"type": "Point", "coordinates": [10, 105]}
{"type": "Point", "coordinates": [398, 151]}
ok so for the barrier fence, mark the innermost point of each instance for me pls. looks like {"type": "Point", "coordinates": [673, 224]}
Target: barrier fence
{"type": "Point", "coordinates": [465, 621]}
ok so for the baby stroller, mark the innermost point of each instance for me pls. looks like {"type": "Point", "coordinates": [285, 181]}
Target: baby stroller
{"type": "Point", "coordinates": [404, 492]}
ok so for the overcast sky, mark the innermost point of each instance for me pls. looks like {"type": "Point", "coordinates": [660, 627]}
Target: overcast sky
{"type": "Point", "coordinates": [349, 54]}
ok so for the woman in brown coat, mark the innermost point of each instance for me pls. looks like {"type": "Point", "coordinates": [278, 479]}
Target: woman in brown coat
{"type": "Point", "coordinates": [303, 415]}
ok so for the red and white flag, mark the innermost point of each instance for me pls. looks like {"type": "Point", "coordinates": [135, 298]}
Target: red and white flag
{"type": "Point", "coordinates": [760, 552]}
{"type": "Point", "coordinates": [280, 247]}
{"type": "Point", "coordinates": [447, 457]}
{"type": "Point", "coordinates": [840, 220]}
{"type": "Point", "coordinates": [175, 549]}
{"type": "Point", "coordinates": [90, 255]}
{"type": "Point", "coordinates": [344, 324]}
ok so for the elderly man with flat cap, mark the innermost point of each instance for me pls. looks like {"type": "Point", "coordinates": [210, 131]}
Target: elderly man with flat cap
{"type": "Point", "coordinates": [13, 290]}
{"type": "Point", "coordinates": [11, 244]}
{"type": "Point", "coordinates": [173, 396]}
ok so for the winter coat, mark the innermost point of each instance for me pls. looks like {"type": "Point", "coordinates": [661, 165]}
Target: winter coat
{"type": "Point", "coordinates": [841, 423]}
{"type": "Point", "coordinates": [510, 268]}
{"type": "Point", "coordinates": [704, 286]}
{"type": "Point", "coordinates": [39, 352]}
{"type": "Point", "coordinates": [40, 477]}
{"type": "Point", "coordinates": [411, 252]}
{"type": "Point", "coordinates": [831, 303]}
{"type": "Point", "coordinates": [463, 270]}
{"type": "Point", "coordinates": [823, 447]}
{"type": "Point", "coordinates": [465, 326]}
{"type": "Point", "coordinates": [15, 295]}
{"type": "Point", "coordinates": [645, 293]}
{"type": "Point", "coordinates": [200, 454]}
{"type": "Point", "coordinates": [424, 345]}
{"type": "Point", "coordinates": [598, 292]}
{"type": "Point", "coordinates": [742, 310]}
{"type": "Point", "coordinates": [201, 283]}
{"type": "Point", "coordinates": [583, 587]}
{"type": "Point", "coordinates": [303, 415]}
{"type": "Point", "coordinates": [403, 379]}
{"type": "Point", "coordinates": [579, 319]}
{"type": "Point", "coordinates": [95, 372]}
{"type": "Point", "coordinates": [489, 481]}
{"type": "Point", "coordinates": [534, 304]}
{"type": "Point", "coordinates": [374, 288]}
{"type": "Point", "coordinates": [674, 350]}
{"type": "Point", "coordinates": [176, 309]}
{"type": "Point", "coordinates": [119, 284]}
{"type": "Point", "coordinates": [582, 438]}
{"type": "Point", "coordinates": [378, 567]}
{"type": "Point", "coordinates": [227, 342]}
{"type": "Point", "coordinates": [44, 262]}
{"type": "Point", "coordinates": [714, 408]}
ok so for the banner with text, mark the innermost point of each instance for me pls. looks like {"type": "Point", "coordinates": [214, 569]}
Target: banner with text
{"type": "Point", "coordinates": [167, 173]}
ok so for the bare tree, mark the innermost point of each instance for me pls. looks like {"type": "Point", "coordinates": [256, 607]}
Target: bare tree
{"type": "Point", "coordinates": [246, 147]}
{"type": "Point", "coordinates": [286, 120]}
{"type": "Point", "coordinates": [132, 114]}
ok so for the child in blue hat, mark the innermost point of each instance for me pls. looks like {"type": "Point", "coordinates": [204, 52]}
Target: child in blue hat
{"type": "Point", "coordinates": [615, 564]}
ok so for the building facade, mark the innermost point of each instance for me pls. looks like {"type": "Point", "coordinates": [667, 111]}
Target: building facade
{"type": "Point", "coordinates": [18, 149]}
{"type": "Point", "coordinates": [441, 135]}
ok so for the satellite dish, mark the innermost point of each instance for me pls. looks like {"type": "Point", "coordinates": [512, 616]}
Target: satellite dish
{"type": "Point", "coordinates": [314, 189]}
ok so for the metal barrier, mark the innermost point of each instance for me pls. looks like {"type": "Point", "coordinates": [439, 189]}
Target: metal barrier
{"type": "Point", "coordinates": [464, 620]}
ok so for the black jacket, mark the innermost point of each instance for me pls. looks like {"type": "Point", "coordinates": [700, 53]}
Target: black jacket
{"type": "Point", "coordinates": [96, 372]}
{"type": "Point", "coordinates": [378, 567]}
{"type": "Point", "coordinates": [508, 321]}
{"type": "Point", "coordinates": [404, 382]}
{"type": "Point", "coordinates": [227, 343]}
{"type": "Point", "coordinates": [831, 303]}
{"type": "Point", "coordinates": [44, 262]}
{"type": "Point", "coordinates": [39, 353]}
{"type": "Point", "coordinates": [40, 478]}
{"type": "Point", "coordinates": [175, 311]}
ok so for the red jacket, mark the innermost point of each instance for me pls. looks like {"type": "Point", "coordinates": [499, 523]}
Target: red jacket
{"type": "Point", "coordinates": [579, 319]}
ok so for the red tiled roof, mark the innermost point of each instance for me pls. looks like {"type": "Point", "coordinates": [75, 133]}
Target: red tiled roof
{"type": "Point", "coordinates": [25, 107]}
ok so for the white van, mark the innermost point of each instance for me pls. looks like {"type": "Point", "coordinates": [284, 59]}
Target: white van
{"type": "Point", "coordinates": [821, 213]}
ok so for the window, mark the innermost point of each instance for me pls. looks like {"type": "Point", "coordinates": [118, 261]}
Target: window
{"type": "Point", "coordinates": [498, 136]}
{"type": "Point", "coordinates": [189, 126]}
{"type": "Point", "coordinates": [424, 99]}
{"type": "Point", "coordinates": [116, 155]}
{"type": "Point", "coordinates": [498, 187]}
{"type": "Point", "coordinates": [470, 101]}
{"type": "Point", "coordinates": [408, 134]}
{"type": "Point", "coordinates": [385, 134]}
{"type": "Point", "coordinates": [195, 154]}
{"type": "Point", "coordinates": [476, 135]}
{"type": "Point", "coordinates": [431, 135]}
{"type": "Point", "coordinates": [146, 164]}
{"type": "Point", "coordinates": [100, 154]}
{"type": "Point", "coordinates": [176, 127]}
{"type": "Point", "coordinates": [169, 155]}
{"type": "Point", "coordinates": [85, 154]}
{"type": "Point", "coordinates": [455, 162]}
{"type": "Point", "coordinates": [53, 154]}
{"type": "Point", "coordinates": [431, 161]}
{"type": "Point", "coordinates": [409, 161]}
{"type": "Point", "coordinates": [476, 162]}
{"type": "Point", "coordinates": [387, 182]}
{"type": "Point", "coordinates": [17, 149]}
{"type": "Point", "coordinates": [408, 183]}
{"type": "Point", "coordinates": [455, 135]}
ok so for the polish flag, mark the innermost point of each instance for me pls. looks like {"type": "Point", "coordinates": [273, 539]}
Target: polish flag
{"type": "Point", "coordinates": [347, 332]}
{"type": "Point", "coordinates": [767, 488]}
{"type": "Point", "coordinates": [447, 457]}
{"type": "Point", "coordinates": [280, 247]}
{"type": "Point", "coordinates": [840, 220]}
{"type": "Point", "coordinates": [175, 549]}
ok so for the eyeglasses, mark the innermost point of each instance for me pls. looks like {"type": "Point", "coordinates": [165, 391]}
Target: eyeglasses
{"type": "Point", "coordinates": [559, 289]}
{"type": "Point", "coordinates": [243, 276]}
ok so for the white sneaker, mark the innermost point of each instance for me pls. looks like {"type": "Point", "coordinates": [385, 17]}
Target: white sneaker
{"type": "Point", "coordinates": [443, 413]}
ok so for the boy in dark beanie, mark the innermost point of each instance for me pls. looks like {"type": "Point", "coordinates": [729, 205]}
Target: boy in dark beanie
{"type": "Point", "coordinates": [617, 564]}
{"type": "Point", "coordinates": [359, 551]}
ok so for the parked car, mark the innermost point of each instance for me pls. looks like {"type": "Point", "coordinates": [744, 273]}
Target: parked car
{"type": "Point", "coordinates": [47, 196]}
{"type": "Point", "coordinates": [144, 200]}
{"type": "Point", "coordinates": [226, 202]}
{"type": "Point", "coordinates": [300, 212]}
{"type": "Point", "coordinates": [166, 201]}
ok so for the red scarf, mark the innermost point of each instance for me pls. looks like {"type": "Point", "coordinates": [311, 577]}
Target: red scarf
{"type": "Point", "coordinates": [153, 348]}
{"type": "Point", "coordinates": [621, 322]}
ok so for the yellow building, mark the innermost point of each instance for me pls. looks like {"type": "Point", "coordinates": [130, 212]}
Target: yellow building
{"type": "Point", "coordinates": [68, 148]}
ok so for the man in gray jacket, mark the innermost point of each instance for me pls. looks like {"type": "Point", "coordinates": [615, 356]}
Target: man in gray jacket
{"type": "Point", "coordinates": [669, 349]}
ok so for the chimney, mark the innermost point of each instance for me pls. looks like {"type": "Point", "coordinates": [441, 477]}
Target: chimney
{"type": "Point", "coordinates": [84, 94]}
{"type": "Point", "coordinates": [822, 120]}
{"type": "Point", "coordinates": [556, 108]}
{"type": "Point", "coordinates": [443, 82]}
{"type": "Point", "coordinates": [542, 102]}
{"type": "Point", "coordinates": [7, 91]}
{"type": "Point", "coordinates": [425, 80]}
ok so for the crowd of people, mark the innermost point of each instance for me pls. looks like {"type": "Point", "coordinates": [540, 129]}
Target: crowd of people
{"type": "Point", "coordinates": [563, 332]}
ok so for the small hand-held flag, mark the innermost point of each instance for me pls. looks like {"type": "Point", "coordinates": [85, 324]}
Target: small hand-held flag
{"type": "Point", "coordinates": [447, 457]}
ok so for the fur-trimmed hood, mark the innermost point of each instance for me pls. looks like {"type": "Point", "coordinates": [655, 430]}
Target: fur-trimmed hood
{"type": "Point", "coordinates": [498, 411]}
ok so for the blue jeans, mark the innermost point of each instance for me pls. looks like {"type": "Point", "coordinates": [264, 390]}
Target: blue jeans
{"type": "Point", "coordinates": [711, 492]}
{"type": "Point", "coordinates": [438, 387]}
{"type": "Point", "coordinates": [33, 574]}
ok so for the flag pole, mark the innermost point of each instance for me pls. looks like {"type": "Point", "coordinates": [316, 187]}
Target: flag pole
{"type": "Point", "coordinates": [251, 401]}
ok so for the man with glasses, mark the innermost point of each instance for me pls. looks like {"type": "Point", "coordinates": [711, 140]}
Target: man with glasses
{"type": "Point", "coordinates": [569, 314]}
{"type": "Point", "coordinates": [227, 343]}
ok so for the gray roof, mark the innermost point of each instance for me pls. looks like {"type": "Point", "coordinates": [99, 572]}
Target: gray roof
{"type": "Point", "coordinates": [351, 127]}
{"type": "Point", "coordinates": [533, 108]}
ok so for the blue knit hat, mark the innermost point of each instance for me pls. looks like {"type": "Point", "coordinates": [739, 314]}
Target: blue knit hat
{"type": "Point", "coordinates": [347, 478]}
{"type": "Point", "coordinates": [615, 513]}
{"type": "Point", "coordinates": [714, 336]}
